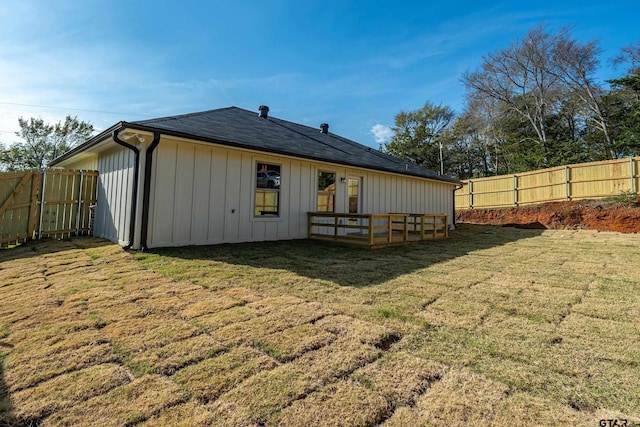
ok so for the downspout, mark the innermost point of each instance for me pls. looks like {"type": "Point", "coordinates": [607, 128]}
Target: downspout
{"type": "Point", "coordinates": [136, 151]}
{"type": "Point", "coordinates": [147, 190]}
{"type": "Point", "coordinates": [459, 186]}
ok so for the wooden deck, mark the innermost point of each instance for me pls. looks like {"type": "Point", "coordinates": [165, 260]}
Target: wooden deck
{"type": "Point", "coordinates": [376, 230]}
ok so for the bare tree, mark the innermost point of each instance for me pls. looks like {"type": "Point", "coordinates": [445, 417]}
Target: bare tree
{"type": "Point", "coordinates": [629, 54]}
{"type": "Point", "coordinates": [576, 65]}
{"type": "Point", "coordinates": [525, 78]}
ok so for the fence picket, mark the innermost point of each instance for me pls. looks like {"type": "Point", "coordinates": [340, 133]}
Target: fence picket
{"type": "Point", "coordinates": [571, 182]}
{"type": "Point", "coordinates": [49, 203]}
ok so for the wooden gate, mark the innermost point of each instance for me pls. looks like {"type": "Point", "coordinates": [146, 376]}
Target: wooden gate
{"type": "Point", "coordinates": [61, 210]}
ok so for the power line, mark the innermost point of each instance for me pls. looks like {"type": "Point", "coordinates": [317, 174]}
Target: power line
{"type": "Point", "coordinates": [71, 109]}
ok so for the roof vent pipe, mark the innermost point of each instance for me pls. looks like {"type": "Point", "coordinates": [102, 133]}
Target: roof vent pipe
{"type": "Point", "coordinates": [324, 128]}
{"type": "Point", "coordinates": [264, 111]}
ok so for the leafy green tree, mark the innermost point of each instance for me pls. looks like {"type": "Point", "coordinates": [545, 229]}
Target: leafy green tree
{"type": "Point", "coordinates": [43, 142]}
{"type": "Point", "coordinates": [418, 135]}
{"type": "Point", "coordinates": [623, 109]}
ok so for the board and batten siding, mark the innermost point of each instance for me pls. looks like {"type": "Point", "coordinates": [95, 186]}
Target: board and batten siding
{"type": "Point", "coordinates": [115, 184]}
{"type": "Point", "coordinates": [89, 163]}
{"type": "Point", "coordinates": [204, 194]}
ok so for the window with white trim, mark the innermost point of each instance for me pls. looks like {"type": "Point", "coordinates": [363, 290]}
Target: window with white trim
{"type": "Point", "coordinates": [326, 195]}
{"type": "Point", "coordinates": [267, 197]}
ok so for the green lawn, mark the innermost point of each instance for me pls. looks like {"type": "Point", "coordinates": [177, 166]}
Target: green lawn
{"type": "Point", "coordinates": [494, 325]}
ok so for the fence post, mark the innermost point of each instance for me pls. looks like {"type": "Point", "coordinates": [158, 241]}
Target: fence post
{"type": "Point", "coordinates": [44, 182]}
{"type": "Point", "coordinates": [515, 190]}
{"type": "Point", "coordinates": [406, 228]}
{"type": "Point", "coordinates": [470, 193]}
{"type": "Point", "coordinates": [33, 210]}
{"type": "Point", "coordinates": [567, 183]}
{"type": "Point", "coordinates": [79, 213]}
{"type": "Point", "coordinates": [632, 174]}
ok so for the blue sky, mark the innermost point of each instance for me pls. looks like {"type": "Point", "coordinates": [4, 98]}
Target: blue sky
{"type": "Point", "coordinates": [352, 64]}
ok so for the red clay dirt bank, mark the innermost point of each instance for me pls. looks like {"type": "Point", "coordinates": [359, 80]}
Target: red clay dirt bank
{"type": "Point", "coordinates": [589, 215]}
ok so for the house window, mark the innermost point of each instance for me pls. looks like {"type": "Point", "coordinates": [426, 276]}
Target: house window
{"type": "Point", "coordinates": [326, 191]}
{"type": "Point", "coordinates": [267, 201]}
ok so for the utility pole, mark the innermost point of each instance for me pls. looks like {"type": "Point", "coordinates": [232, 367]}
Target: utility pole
{"type": "Point", "coordinates": [441, 162]}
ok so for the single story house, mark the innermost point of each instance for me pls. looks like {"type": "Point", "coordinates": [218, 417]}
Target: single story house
{"type": "Point", "coordinates": [231, 175]}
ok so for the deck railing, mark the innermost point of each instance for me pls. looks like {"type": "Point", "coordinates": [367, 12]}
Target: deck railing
{"type": "Point", "coordinates": [376, 230]}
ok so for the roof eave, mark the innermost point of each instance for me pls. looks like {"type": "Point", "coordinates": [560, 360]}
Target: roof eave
{"type": "Point", "coordinates": [95, 140]}
{"type": "Point", "coordinates": [122, 124]}
{"type": "Point", "coordinates": [281, 152]}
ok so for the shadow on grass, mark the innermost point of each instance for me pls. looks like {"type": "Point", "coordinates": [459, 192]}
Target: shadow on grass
{"type": "Point", "coordinates": [38, 248]}
{"type": "Point", "coordinates": [346, 265]}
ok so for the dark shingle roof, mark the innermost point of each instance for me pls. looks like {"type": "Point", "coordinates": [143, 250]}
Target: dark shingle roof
{"type": "Point", "coordinates": [238, 127]}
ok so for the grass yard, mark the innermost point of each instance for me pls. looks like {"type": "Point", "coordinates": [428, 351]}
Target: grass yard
{"type": "Point", "coordinates": [493, 326]}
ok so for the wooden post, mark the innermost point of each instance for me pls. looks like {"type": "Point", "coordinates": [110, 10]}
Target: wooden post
{"type": "Point", "coordinates": [390, 226]}
{"type": "Point", "coordinates": [446, 226]}
{"type": "Point", "coordinates": [435, 226]}
{"type": "Point", "coordinates": [309, 224]}
{"type": "Point", "coordinates": [470, 193]}
{"type": "Point", "coordinates": [44, 181]}
{"type": "Point", "coordinates": [406, 228]}
{"type": "Point", "coordinates": [371, 221]}
{"type": "Point", "coordinates": [515, 190]}
{"type": "Point", "coordinates": [632, 174]}
{"type": "Point", "coordinates": [79, 213]}
{"type": "Point", "coordinates": [567, 183]}
{"type": "Point", "coordinates": [33, 211]}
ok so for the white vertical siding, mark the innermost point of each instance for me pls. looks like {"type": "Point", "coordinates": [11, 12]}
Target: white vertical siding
{"type": "Point", "coordinates": [183, 193]}
{"type": "Point", "coordinates": [306, 197]}
{"type": "Point", "coordinates": [201, 195]}
{"type": "Point", "coordinates": [163, 192]}
{"type": "Point", "coordinates": [295, 181]}
{"type": "Point", "coordinates": [204, 194]}
{"type": "Point", "coordinates": [87, 163]}
{"type": "Point", "coordinates": [245, 198]}
{"type": "Point", "coordinates": [115, 184]}
{"type": "Point", "coordinates": [232, 199]}
{"type": "Point", "coordinates": [217, 208]}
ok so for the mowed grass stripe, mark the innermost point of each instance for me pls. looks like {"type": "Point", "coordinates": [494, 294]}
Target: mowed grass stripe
{"type": "Point", "coordinates": [493, 326]}
{"type": "Point", "coordinates": [264, 394]}
{"type": "Point", "coordinates": [67, 390]}
{"type": "Point", "coordinates": [125, 405]}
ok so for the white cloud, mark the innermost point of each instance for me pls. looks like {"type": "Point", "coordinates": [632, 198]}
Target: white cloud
{"type": "Point", "coordinates": [381, 133]}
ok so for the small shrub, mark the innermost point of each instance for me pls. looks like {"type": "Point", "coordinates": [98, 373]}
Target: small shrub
{"type": "Point", "coordinates": [626, 197]}
{"type": "Point", "coordinates": [4, 330]}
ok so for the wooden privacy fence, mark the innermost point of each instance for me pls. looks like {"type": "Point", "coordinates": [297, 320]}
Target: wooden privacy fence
{"type": "Point", "coordinates": [572, 182]}
{"type": "Point", "coordinates": [376, 230]}
{"type": "Point", "coordinates": [50, 203]}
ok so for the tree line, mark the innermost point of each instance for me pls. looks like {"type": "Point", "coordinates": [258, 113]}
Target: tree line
{"type": "Point", "coordinates": [533, 105]}
{"type": "Point", "coordinates": [42, 142]}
